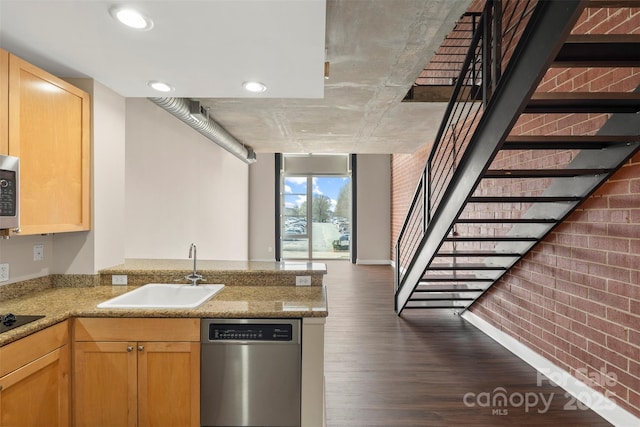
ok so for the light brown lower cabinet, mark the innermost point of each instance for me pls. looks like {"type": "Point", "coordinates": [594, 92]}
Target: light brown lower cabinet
{"type": "Point", "coordinates": [34, 379]}
{"type": "Point", "coordinates": [136, 372]}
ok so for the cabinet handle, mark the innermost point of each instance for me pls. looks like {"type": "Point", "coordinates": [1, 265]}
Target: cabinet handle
{"type": "Point", "coordinates": [130, 348]}
{"type": "Point", "coordinates": [140, 347]}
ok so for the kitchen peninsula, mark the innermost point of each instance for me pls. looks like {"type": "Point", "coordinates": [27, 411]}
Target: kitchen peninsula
{"type": "Point", "coordinates": [252, 290]}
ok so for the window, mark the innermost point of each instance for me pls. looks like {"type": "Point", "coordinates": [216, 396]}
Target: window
{"type": "Point", "coordinates": [316, 208]}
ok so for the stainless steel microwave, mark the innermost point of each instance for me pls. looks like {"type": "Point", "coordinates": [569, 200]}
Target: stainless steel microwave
{"type": "Point", "coordinates": [9, 192]}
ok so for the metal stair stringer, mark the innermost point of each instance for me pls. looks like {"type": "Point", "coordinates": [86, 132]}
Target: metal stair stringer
{"type": "Point", "coordinates": [549, 26]}
{"type": "Point", "coordinates": [539, 220]}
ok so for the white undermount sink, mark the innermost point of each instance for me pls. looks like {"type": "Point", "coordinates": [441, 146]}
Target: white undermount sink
{"type": "Point", "coordinates": [163, 295]}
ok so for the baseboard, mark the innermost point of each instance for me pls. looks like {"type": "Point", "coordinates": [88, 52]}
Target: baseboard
{"type": "Point", "coordinates": [374, 261]}
{"type": "Point", "coordinates": [599, 403]}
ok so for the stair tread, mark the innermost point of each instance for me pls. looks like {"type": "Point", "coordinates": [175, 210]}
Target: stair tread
{"type": "Point", "coordinates": [454, 279]}
{"type": "Point", "coordinates": [464, 266]}
{"type": "Point", "coordinates": [440, 299]}
{"type": "Point", "coordinates": [491, 239]}
{"type": "Point", "coordinates": [599, 50]}
{"type": "Point", "coordinates": [477, 254]}
{"type": "Point", "coordinates": [544, 173]}
{"type": "Point", "coordinates": [559, 142]}
{"type": "Point", "coordinates": [435, 290]}
{"type": "Point", "coordinates": [524, 199]}
{"type": "Point", "coordinates": [584, 102]}
{"type": "Point", "coordinates": [506, 221]}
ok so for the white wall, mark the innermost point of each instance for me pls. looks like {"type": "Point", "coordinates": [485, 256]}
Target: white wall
{"type": "Point", "coordinates": [262, 208]}
{"type": "Point", "coordinates": [181, 188]}
{"type": "Point", "coordinates": [103, 246]}
{"type": "Point", "coordinates": [18, 253]}
{"type": "Point", "coordinates": [374, 208]}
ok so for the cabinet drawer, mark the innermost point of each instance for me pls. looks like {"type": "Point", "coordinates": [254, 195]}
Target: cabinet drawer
{"type": "Point", "coordinates": [27, 349]}
{"type": "Point", "coordinates": [136, 329]}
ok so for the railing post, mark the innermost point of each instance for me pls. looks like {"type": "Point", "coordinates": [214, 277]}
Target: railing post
{"type": "Point", "coordinates": [486, 53]}
{"type": "Point", "coordinates": [496, 55]}
{"type": "Point", "coordinates": [425, 197]}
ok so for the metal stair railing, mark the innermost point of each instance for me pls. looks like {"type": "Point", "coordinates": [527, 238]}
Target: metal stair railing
{"type": "Point", "coordinates": [471, 132]}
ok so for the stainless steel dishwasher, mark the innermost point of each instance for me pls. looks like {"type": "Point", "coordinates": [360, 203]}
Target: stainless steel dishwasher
{"type": "Point", "coordinates": [251, 372]}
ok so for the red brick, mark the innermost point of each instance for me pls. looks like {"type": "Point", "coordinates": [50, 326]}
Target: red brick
{"type": "Point", "coordinates": [634, 402]}
{"type": "Point", "coordinates": [589, 333]}
{"type": "Point", "coordinates": [589, 255]}
{"type": "Point", "coordinates": [634, 337]}
{"type": "Point", "coordinates": [615, 187]}
{"type": "Point", "coordinates": [588, 306]}
{"type": "Point", "coordinates": [589, 280]}
{"type": "Point", "coordinates": [572, 289]}
{"type": "Point", "coordinates": [613, 244]}
{"type": "Point", "coordinates": [607, 327]}
{"type": "Point", "coordinates": [624, 230]}
{"type": "Point", "coordinates": [634, 368]}
{"type": "Point", "coordinates": [624, 289]}
{"type": "Point", "coordinates": [623, 318]}
{"type": "Point", "coordinates": [572, 313]}
{"type": "Point", "coordinates": [623, 260]}
{"type": "Point", "coordinates": [623, 348]}
{"type": "Point", "coordinates": [608, 299]}
{"type": "Point", "coordinates": [622, 377]}
{"type": "Point", "coordinates": [604, 353]}
{"type": "Point", "coordinates": [606, 271]}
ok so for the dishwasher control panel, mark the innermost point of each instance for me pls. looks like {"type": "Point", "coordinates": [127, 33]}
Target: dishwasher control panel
{"type": "Point", "coordinates": [250, 332]}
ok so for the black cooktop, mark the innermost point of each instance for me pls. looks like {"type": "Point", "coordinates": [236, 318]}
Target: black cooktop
{"type": "Point", "coordinates": [9, 321]}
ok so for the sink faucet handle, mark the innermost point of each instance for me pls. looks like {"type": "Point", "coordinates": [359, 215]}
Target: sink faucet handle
{"type": "Point", "coordinates": [194, 276]}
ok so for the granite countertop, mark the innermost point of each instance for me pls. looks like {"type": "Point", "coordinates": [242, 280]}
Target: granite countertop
{"type": "Point", "coordinates": [231, 273]}
{"type": "Point", "coordinates": [58, 304]}
{"type": "Point", "coordinates": [142, 266]}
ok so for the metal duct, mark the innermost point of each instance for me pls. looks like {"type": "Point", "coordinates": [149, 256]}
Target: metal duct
{"type": "Point", "coordinates": [190, 112]}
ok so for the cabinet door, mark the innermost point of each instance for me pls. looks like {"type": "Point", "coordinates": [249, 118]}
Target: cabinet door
{"type": "Point", "coordinates": [49, 129]}
{"type": "Point", "coordinates": [104, 384]}
{"type": "Point", "coordinates": [169, 384]}
{"type": "Point", "coordinates": [37, 394]}
{"type": "Point", "coordinates": [4, 102]}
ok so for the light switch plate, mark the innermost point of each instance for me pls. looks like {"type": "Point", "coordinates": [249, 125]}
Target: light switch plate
{"type": "Point", "coordinates": [303, 280]}
{"type": "Point", "coordinates": [118, 279]}
{"type": "Point", "coordinates": [4, 272]}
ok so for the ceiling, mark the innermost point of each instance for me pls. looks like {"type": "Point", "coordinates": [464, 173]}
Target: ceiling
{"type": "Point", "coordinates": [207, 48]}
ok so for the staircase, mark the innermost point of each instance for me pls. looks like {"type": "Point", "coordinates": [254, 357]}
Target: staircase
{"type": "Point", "coordinates": [487, 196]}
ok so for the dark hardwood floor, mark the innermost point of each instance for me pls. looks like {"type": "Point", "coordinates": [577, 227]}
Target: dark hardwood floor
{"type": "Point", "coordinates": [416, 370]}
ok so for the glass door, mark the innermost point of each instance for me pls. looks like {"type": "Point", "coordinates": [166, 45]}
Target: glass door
{"type": "Point", "coordinates": [294, 232]}
{"type": "Point", "coordinates": [316, 217]}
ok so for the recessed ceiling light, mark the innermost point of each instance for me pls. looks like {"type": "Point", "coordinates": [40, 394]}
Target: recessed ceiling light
{"type": "Point", "coordinates": [255, 87]}
{"type": "Point", "coordinates": [131, 18]}
{"type": "Point", "coordinates": [159, 86]}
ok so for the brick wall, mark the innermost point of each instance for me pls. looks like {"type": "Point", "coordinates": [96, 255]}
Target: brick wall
{"type": "Point", "coordinates": [405, 173]}
{"type": "Point", "coordinates": [575, 299]}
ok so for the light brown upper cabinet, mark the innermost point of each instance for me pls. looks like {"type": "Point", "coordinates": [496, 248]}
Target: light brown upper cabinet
{"type": "Point", "coordinates": [4, 102]}
{"type": "Point", "coordinates": [49, 130]}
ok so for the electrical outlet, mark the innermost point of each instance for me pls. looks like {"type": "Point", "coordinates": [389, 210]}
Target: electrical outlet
{"type": "Point", "coordinates": [38, 252]}
{"type": "Point", "coordinates": [303, 280]}
{"type": "Point", "coordinates": [118, 279]}
{"type": "Point", "coordinates": [4, 272]}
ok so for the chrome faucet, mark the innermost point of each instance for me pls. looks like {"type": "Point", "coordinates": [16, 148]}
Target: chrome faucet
{"type": "Point", "coordinates": [194, 277]}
